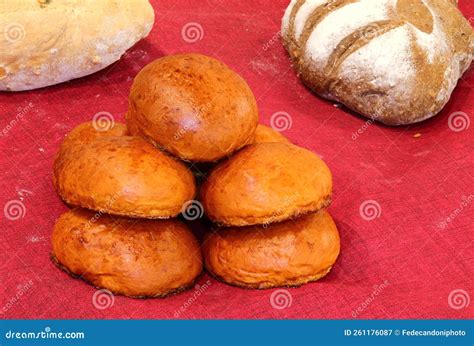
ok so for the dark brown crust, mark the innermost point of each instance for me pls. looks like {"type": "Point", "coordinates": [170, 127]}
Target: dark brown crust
{"type": "Point", "coordinates": [291, 44]}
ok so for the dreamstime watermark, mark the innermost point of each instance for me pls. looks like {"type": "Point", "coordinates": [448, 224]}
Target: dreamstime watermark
{"type": "Point", "coordinates": [198, 291]}
{"type": "Point", "coordinates": [192, 32]}
{"type": "Point", "coordinates": [281, 299]}
{"type": "Point", "coordinates": [458, 299]}
{"type": "Point", "coordinates": [21, 112]}
{"type": "Point", "coordinates": [103, 121]}
{"type": "Point", "coordinates": [289, 200]}
{"type": "Point", "coordinates": [370, 210]}
{"type": "Point", "coordinates": [14, 32]}
{"type": "Point", "coordinates": [193, 122]}
{"type": "Point", "coordinates": [361, 130]}
{"type": "Point", "coordinates": [466, 201]}
{"type": "Point", "coordinates": [47, 333]}
{"type": "Point", "coordinates": [15, 209]}
{"type": "Point", "coordinates": [22, 290]}
{"type": "Point", "coordinates": [192, 210]}
{"type": "Point", "coordinates": [275, 38]}
{"type": "Point", "coordinates": [459, 121]}
{"type": "Point", "coordinates": [377, 289]}
{"type": "Point", "coordinates": [98, 214]}
{"type": "Point", "coordinates": [281, 121]}
{"type": "Point", "coordinates": [103, 299]}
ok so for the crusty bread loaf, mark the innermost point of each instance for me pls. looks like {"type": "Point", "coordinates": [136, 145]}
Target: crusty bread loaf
{"type": "Point", "coordinates": [396, 61]}
{"type": "Point", "coordinates": [49, 42]}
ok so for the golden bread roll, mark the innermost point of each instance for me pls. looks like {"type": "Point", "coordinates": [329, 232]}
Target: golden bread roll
{"type": "Point", "coordinates": [89, 131]}
{"type": "Point", "coordinates": [135, 258]}
{"type": "Point", "coordinates": [123, 176]}
{"type": "Point", "coordinates": [265, 134]}
{"type": "Point", "coordinates": [395, 61]}
{"type": "Point", "coordinates": [265, 183]}
{"type": "Point", "coordinates": [45, 42]}
{"type": "Point", "coordinates": [193, 106]}
{"type": "Point", "coordinates": [288, 253]}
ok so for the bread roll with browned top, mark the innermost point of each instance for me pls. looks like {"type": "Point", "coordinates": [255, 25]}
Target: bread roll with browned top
{"type": "Point", "coordinates": [89, 131]}
{"type": "Point", "coordinates": [193, 106]}
{"type": "Point", "coordinates": [45, 42]}
{"type": "Point", "coordinates": [395, 61]}
{"type": "Point", "coordinates": [135, 258]}
{"type": "Point", "coordinates": [123, 176]}
{"type": "Point", "coordinates": [288, 253]}
{"type": "Point", "coordinates": [266, 134]}
{"type": "Point", "coordinates": [265, 183]}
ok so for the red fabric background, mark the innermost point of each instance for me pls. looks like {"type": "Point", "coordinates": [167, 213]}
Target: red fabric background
{"type": "Point", "coordinates": [418, 183]}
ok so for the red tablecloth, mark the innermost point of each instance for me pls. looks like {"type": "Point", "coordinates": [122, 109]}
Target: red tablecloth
{"type": "Point", "coordinates": [415, 260]}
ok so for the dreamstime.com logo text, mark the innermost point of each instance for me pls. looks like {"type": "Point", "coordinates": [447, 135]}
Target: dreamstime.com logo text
{"type": "Point", "coordinates": [275, 38]}
{"type": "Point", "coordinates": [44, 334]}
{"type": "Point", "coordinates": [22, 290]}
{"type": "Point", "coordinates": [466, 201]}
{"type": "Point", "coordinates": [198, 291]}
{"type": "Point", "coordinates": [21, 112]}
{"type": "Point", "coordinates": [378, 289]}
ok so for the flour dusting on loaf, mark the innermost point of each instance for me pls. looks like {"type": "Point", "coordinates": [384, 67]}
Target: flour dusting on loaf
{"type": "Point", "coordinates": [397, 61]}
{"type": "Point", "coordinates": [46, 43]}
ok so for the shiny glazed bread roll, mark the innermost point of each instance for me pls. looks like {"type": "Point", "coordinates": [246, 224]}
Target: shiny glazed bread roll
{"type": "Point", "coordinates": [288, 253]}
{"type": "Point", "coordinates": [265, 183]}
{"type": "Point", "coordinates": [193, 106]}
{"type": "Point", "coordinates": [123, 176]}
{"type": "Point", "coordinates": [135, 258]}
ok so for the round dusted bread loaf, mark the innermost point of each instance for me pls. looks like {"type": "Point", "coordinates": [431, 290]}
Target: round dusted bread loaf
{"type": "Point", "coordinates": [89, 131]}
{"type": "Point", "coordinates": [135, 258]}
{"type": "Point", "coordinates": [45, 42]}
{"type": "Point", "coordinates": [123, 176]}
{"type": "Point", "coordinates": [288, 253]}
{"type": "Point", "coordinates": [395, 61]}
{"type": "Point", "coordinates": [193, 106]}
{"type": "Point", "coordinates": [265, 183]}
{"type": "Point", "coordinates": [265, 134]}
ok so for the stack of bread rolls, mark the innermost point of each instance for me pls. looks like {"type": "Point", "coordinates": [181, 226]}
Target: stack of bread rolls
{"type": "Point", "coordinates": [264, 196]}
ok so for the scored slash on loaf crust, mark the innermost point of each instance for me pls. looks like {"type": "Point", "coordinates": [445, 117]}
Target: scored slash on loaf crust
{"type": "Point", "coordinates": [50, 42]}
{"type": "Point", "coordinates": [396, 61]}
